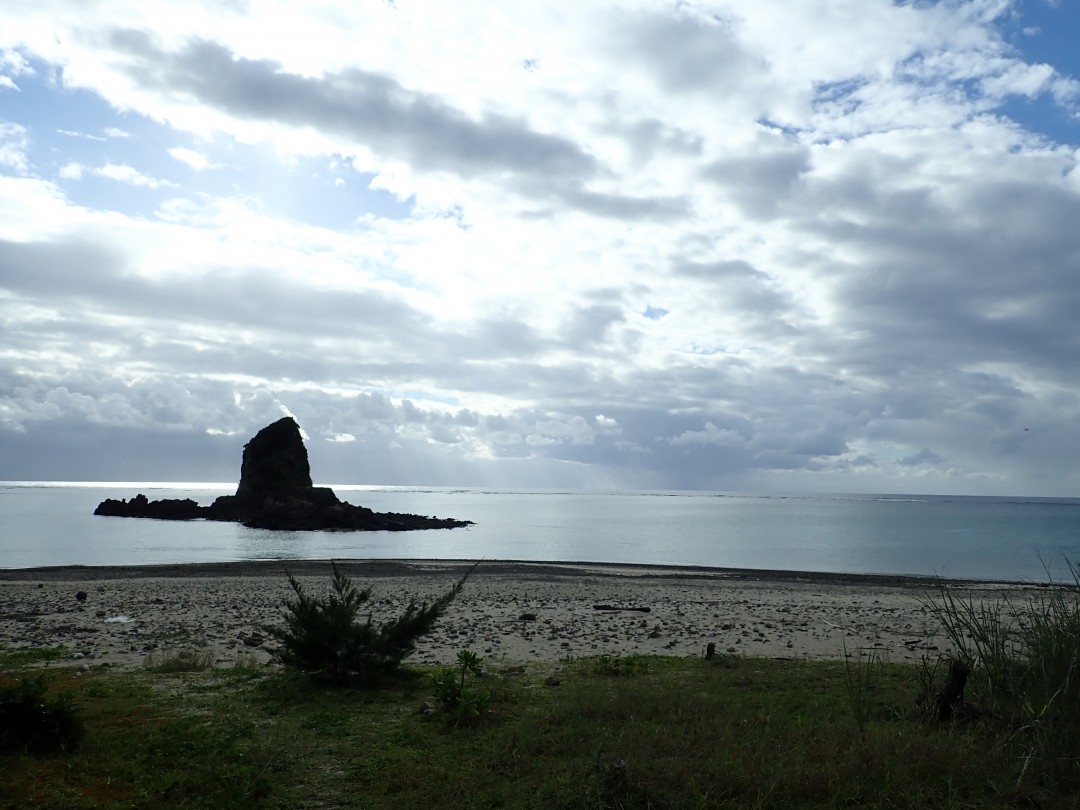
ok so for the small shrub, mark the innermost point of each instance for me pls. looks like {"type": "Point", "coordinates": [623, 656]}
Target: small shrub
{"type": "Point", "coordinates": [32, 722]}
{"type": "Point", "coordinates": [616, 665]}
{"type": "Point", "coordinates": [458, 700]}
{"type": "Point", "coordinates": [323, 637]}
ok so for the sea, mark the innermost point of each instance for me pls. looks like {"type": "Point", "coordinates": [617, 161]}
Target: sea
{"type": "Point", "coordinates": [983, 538]}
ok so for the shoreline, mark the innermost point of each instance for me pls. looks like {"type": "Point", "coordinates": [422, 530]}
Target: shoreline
{"type": "Point", "coordinates": [395, 567]}
{"type": "Point", "coordinates": [509, 612]}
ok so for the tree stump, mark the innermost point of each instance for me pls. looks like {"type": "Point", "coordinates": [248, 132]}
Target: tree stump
{"type": "Point", "coordinates": [952, 693]}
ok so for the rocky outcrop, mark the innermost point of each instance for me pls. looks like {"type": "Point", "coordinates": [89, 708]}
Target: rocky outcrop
{"type": "Point", "coordinates": [275, 481]}
{"type": "Point", "coordinates": [141, 506]}
{"type": "Point", "coordinates": [276, 492]}
{"type": "Point", "coordinates": [275, 463]}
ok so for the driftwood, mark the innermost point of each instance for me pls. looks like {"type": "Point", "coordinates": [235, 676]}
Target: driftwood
{"type": "Point", "coordinates": [616, 607]}
{"type": "Point", "coordinates": [952, 693]}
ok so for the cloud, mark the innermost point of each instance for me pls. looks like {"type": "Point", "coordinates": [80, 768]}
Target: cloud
{"type": "Point", "coordinates": [13, 145]}
{"type": "Point", "coordinates": [120, 172]}
{"type": "Point", "coordinates": [196, 160]}
{"type": "Point", "coordinates": [73, 134]}
{"type": "Point", "coordinates": [365, 107]}
{"type": "Point", "coordinates": [770, 246]}
{"type": "Point", "coordinates": [711, 435]}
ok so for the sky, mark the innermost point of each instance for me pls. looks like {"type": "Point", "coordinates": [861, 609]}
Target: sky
{"type": "Point", "coordinates": [759, 246]}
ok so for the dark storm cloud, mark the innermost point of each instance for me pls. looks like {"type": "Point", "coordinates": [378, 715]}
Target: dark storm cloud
{"type": "Point", "coordinates": [253, 324]}
{"type": "Point", "coordinates": [649, 137]}
{"type": "Point", "coordinates": [761, 181]}
{"type": "Point", "coordinates": [369, 108]}
{"type": "Point", "coordinates": [590, 325]}
{"type": "Point", "coordinates": [619, 206]}
{"type": "Point", "coordinates": [79, 271]}
{"type": "Point", "coordinates": [987, 275]}
{"type": "Point", "coordinates": [376, 111]}
{"type": "Point", "coordinates": [738, 293]}
{"type": "Point", "coordinates": [685, 53]}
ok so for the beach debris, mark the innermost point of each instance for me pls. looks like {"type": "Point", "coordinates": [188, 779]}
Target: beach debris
{"type": "Point", "coordinates": [527, 617]}
{"type": "Point", "coordinates": [80, 596]}
{"type": "Point", "coordinates": [121, 619]}
{"type": "Point", "coordinates": [254, 640]}
{"type": "Point", "coordinates": [616, 607]}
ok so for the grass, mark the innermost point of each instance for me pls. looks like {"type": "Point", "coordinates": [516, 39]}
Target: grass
{"type": "Point", "coordinates": [1025, 670]}
{"type": "Point", "coordinates": [603, 732]}
{"type": "Point", "coordinates": [24, 656]}
{"type": "Point", "coordinates": [184, 660]}
{"type": "Point", "coordinates": [666, 732]}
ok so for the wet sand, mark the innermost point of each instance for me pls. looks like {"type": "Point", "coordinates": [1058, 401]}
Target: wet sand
{"type": "Point", "coordinates": [509, 612]}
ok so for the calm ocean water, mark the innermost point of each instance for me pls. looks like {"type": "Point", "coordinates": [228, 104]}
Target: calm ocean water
{"type": "Point", "coordinates": [45, 524]}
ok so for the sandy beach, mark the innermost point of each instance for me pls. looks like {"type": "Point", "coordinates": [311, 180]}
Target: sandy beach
{"type": "Point", "coordinates": [509, 612]}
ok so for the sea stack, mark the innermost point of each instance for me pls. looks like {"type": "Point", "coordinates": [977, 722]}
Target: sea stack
{"type": "Point", "coordinates": [276, 492]}
{"type": "Point", "coordinates": [275, 482]}
{"type": "Point", "coordinates": [275, 463]}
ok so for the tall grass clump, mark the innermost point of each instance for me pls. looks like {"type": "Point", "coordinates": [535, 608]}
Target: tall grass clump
{"type": "Point", "coordinates": [860, 671]}
{"type": "Point", "coordinates": [324, 637]}
{"type": "Point", "coordinates": [1025, 668]}
{"type": "Point", "coordinates": [180, 661]}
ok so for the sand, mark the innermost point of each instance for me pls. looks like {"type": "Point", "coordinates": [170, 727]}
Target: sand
{"type": "Point", "coordinates": [509, 612]}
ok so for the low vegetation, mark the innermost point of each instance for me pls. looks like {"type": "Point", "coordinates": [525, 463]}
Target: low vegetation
{"type": "Point", "coordinates": [460, 700]}
{"type": "Point", "coordinates": [34, 722]}
{"type": "Point", "coordinates": [607, 732]}
{"type": "Point", "coordinates": [324, 637]}
{"type": "Point", "coordinates": [1024, 660]}
{"type": "Point", "coordinates": [184, 660]}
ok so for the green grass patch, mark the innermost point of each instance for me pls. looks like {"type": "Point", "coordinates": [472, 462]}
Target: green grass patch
{"type": "Point", "coordinates": [667, 732]}
{"type": "Point", "coordinates": [26, 656]}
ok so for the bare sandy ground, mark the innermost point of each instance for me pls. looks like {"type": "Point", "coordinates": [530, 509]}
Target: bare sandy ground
{"type": "Point", "coordinates": [509, 612]}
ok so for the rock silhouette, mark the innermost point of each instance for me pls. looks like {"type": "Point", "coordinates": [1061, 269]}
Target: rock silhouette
{"type": "Point", "coordinates": [276, 492]}
{"type": "Point", "coordinates": [275, 462]}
